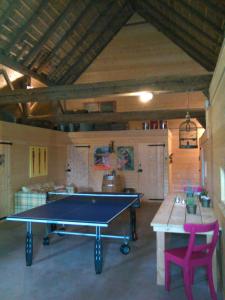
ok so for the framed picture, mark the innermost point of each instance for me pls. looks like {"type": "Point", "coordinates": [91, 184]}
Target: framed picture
{"type": "Point", "coordinates": [91, 106]}
{"type": "Point", "coordinates": [125, 158]}
{"type": "Point", "coordinates": [101, 158]}
{"type": "Point", "coordinates": [38, 161]}
{"type": "Point", "coordinates": [109, 106]}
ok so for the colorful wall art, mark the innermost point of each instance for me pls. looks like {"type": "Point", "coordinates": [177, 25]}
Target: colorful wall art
{"type": "Point", "coordinates": [101, 158]}
{"type": "Point", "coordinates": [125, 158]}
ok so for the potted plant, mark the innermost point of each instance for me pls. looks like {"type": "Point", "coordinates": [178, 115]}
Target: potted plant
{"type": "Point", "coordinates": [204, 199]}
{"type": "Point", "coordinates": [191, 205]}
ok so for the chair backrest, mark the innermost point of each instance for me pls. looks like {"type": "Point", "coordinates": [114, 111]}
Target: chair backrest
{"type": "Point", "coordinates": [201, 228]}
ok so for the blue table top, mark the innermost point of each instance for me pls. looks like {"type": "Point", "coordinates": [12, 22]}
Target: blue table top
{"type": "Point", "coordinates": [83, 209]}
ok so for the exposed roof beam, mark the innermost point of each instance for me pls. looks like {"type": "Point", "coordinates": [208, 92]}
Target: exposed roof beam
{"type": "Point", "coordinates": [187, 24]}
{"type": "Point", "coordinates": [180, 42]}
{"type": "Point", "coordinates": [155, 17]}
{"type": "Point", "coordinates": [99, 45]}
{"type": "Point", "coordinates": [217, 6]}
{"type": "Point", "coordinates": [82, 40]}
{"type": "Point", "coordinates": [6, 77]}
{"type": "Point", "coordinates": [34, 51]}
{"type": "Point", "coordinates": [169, 84]}
{"type": "Point", "coordinates": [208, 52]}
{"type": "Point", "coordinates": [201, 18]}
{"type": "Point", "coordinates": [65, 36]}
{"type": "Point", "coordinates": [15, 65]}
{"type": "Point", "coordinates": [9, 83]}
{"type": "Point", "coordinates": [12, 5]}
{"type": "Point", "coordinates": [121, 116]}
{"type": "Point", "coordinates": [20, 32]}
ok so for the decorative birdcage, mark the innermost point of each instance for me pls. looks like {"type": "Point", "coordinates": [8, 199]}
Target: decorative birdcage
{"type": "Point", "coordinates": [188, 135]}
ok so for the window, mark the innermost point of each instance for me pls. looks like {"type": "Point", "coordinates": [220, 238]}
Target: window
{"type": "Point", "coordinates": [222, 184]}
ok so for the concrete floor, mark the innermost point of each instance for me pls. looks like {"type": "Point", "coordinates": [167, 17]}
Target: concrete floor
{"type": "Point", "coordinates": [64, 270]}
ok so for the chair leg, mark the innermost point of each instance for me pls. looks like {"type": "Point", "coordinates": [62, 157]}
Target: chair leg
{"type": "Point", "coordinates": [187, 284]}
{"type": "Point", "coordinates": [211, 284]}
{"type": "Point", "coordinates": [167, 274]}
{"type": "Point", "coordinates": [192, 275]}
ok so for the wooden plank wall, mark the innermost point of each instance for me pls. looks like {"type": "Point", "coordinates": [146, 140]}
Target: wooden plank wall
{"type": "Point", "coordinates": [216, 136]}
{"type": "Point", "coordinates": [140, 51]}
{"type": "Point", "coordinates": [120, 138]}
{"type": "Point", "coordinates": [185, 168]}
{"type": "Point", "coordinates": [22, 137]}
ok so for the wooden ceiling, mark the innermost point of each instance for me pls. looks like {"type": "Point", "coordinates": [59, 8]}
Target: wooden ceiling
{"type": "Point", "coordinates": [55, 41]}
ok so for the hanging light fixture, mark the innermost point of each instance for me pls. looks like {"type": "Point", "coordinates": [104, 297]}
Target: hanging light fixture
{"type": "Point", "coordinates": [188, 132]}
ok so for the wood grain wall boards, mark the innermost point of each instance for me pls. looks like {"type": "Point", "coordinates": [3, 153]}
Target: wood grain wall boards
{"type": "Point", "coordinates": [185, 166]}
{"type": "Point", "coordinates": [121, 138]}
{"type": "Point", "coordinates": [139, 52]}
{"type": "Point", "coordinates": [6, 203]}
{"type": "Point", "coordinates": [24, 136]}
{"type": "Point", "coordinates": [216, 142]}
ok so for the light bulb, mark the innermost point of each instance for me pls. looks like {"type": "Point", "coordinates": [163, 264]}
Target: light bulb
{"type": "Point", "coordinates": [145, 97]}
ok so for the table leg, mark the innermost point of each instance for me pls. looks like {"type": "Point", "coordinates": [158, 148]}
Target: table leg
{"type": "Point", "coordinates": [214, 263]}
{"type": "Point", "coordinates": [133, 233]}
{"type": "Point", "coordinates": [98, 251]}
{"type": "Point", "coordinates": [160, 247]}
{"type": "Point", "coordinates": [29, 244]}
{"type": "Point", "coordinates": [48, 229]}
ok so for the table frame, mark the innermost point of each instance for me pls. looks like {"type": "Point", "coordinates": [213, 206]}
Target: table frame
{"type": "Point", "coordinates": [51, 228]}
{"type": "Point", "coordinates": [166, 221]}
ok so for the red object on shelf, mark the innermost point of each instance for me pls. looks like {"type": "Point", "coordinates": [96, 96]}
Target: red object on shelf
{"type": "Point", "coordinates": [154, 124]}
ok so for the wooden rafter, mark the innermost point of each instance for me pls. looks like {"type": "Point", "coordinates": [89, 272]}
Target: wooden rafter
{"type": "Point", "coordinates": [11, 86]}
{"type": "Point", "coordinates": [20, 32]}
{"type": "Point", "coordinates": [35, 50]}
{"type": "Point", "coordinates": [72, 76]}
{"type": "Point", "coordinates": [67, 34]}
{"type": "Point", "coordinates": [182, 37]}
{"type": "Point", "coordinates": [180, 41]}
{"type": "Point", "coordinates": [200, 17]}
{"type": "Point", "coordinates": [12, 5]}
{"type": "Point", "coordinates": [169, 84]}
{"type": "Point", "coordinates": [14, 64]}
{"type": "Point", "coordinates": [187, 24]}
{"type": "Point", "coordinates": [81, 41]}
{"type": "Point", "coordinates": [218, 6]}
{"type": "Point", "coordinates": [121, 116]}
{"type": "Point", "coordinates": [208, 53]}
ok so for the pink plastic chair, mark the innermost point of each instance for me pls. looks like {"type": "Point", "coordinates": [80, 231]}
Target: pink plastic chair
{"type": "Point", "coordinates": [193, 256]}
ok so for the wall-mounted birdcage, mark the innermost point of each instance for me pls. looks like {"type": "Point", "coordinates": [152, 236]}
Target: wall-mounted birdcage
{"type": "Point", "coordinates": [188, 135]}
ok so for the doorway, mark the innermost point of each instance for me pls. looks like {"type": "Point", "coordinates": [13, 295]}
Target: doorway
{"type": "Point", "coordinates": [80, 167]}
{"type": "Point", "coordinates": [151, 170]}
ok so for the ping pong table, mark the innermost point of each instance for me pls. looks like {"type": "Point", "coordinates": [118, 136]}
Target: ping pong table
{"type": "Point", "coordinates": [81, 209]}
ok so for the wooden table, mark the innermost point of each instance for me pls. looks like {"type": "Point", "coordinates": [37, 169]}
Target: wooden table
{"type": "Point", "coordinates": [171, 217]}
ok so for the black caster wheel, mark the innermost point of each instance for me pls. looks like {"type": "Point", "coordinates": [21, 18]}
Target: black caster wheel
{"type": "Point", "coordinates": [125, 249]}
{"type": "Point", "coordinates": [46, 241]}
